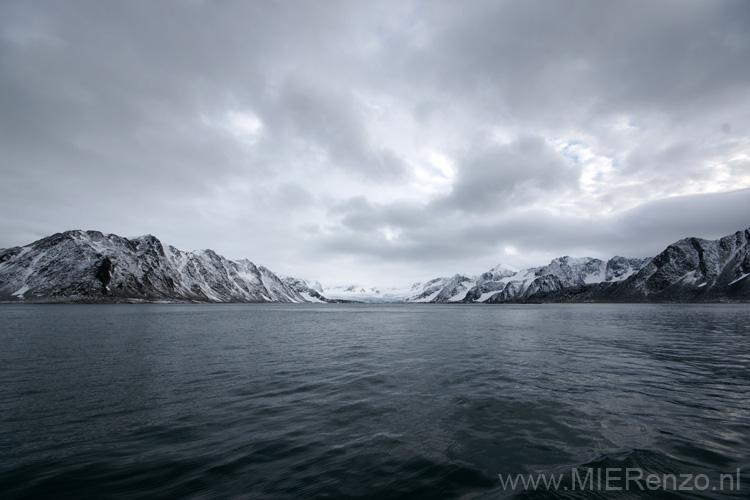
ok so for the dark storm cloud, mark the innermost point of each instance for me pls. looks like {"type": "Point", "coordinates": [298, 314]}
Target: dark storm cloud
{"type": "Point", "coordinates": [298, 132]}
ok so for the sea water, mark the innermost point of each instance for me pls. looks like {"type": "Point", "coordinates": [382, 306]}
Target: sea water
{"type": "Point", "coordinates": [374, 401]}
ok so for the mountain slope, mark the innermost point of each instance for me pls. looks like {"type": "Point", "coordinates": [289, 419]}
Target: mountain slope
{"type": "Point", "coordinates": [89, 266]}
{"type": "Point", "coordinates": [502, 284]}
{"type": "Point", "coordinates": [311, 290]}
{"type": "Point", "coordinates": [690, 270]}
{"type": "Point", "coordinates": [94, 267]}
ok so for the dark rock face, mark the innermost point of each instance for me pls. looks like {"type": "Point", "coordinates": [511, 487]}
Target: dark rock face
{"type": "Point", "coordinates": [620, 267]}
{"type": "Point", "coordinates": [454, 286]}
{"type": "Point", "coordinates": [94, 267]}
{"type": "Point", "coordinates": [691, 270]}
{"type": "Point", "coordinates": [7, 253]}
{"type": "Point", "coordinates": [104, 272]}
{"type": "Point", "coordinates": [485, 286]}
{"type": "Point", "coordinates": [430, 288]}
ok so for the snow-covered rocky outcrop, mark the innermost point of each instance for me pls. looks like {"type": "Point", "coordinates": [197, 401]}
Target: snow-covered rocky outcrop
{"type": "Point", "coordinates": [311, 290]}
{"type": "Point", "coordinates": [94, 267]}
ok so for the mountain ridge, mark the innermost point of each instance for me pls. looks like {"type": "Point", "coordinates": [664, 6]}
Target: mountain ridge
{"type": "Point", "coordinates": [688, 270]}
{"type": "Point", "coordinates": [91, 266]}
{"type": "Point", "coordinates": [502, 284]}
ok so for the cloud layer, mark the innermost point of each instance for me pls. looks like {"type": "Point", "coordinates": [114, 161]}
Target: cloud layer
{"type": "Point", "coordinates": [377, 143]}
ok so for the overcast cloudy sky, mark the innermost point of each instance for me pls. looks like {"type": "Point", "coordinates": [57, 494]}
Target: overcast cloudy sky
{"type": "Point", "coordinates": [377, 142]}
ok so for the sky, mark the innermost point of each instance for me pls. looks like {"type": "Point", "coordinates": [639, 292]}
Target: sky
{"type": "Point", "coordinates": [379, 142]}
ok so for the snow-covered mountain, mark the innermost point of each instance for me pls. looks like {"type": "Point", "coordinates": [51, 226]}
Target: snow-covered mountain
{"type": "Point", "coordinates": [504, 284]}
{"type": "Point", "coordinates": [91, 266]}
{"type": "Point", "coordinates": [499, 284]}
{"type": "Point", "coordinates": [689, 270]}
{"type": "Point", "coordinates": [311, 290]}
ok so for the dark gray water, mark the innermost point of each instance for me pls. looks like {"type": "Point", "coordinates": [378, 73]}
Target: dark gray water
{"type": "Point", "coordinates": [367, 401]}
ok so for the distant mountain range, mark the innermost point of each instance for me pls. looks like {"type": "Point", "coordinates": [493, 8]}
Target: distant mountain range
{"type": "Point", "coordinates": [89, 266]}
{"type": "Point", "coordinates": [502, 284]}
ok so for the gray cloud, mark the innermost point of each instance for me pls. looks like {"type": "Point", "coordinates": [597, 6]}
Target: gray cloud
{"type": "Point", "coordinates": [385, 142]}
{"type": "Point", "coordinates": [501, 175]}
{"type": "Point", "coordinates": [332, 120]}
{"type": "Point", "coordinates": [359, 214]}
{"type": "Point", "coordinates": [535, 58]}
{"type": "Point", "coordinates": [639, 232]}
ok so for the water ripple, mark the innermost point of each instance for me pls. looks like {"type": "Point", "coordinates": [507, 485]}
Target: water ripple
{"type": "Point", "coordinates": [356, 401]}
